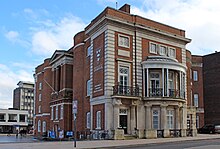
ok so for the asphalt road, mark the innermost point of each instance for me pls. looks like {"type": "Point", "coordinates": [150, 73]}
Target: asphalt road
{"type": "Point", "coordinates": [197, 144]}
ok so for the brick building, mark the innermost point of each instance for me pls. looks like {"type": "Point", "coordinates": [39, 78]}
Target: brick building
{"type": "Point", "coordinates": [23, 99]}
{"type": "Point", "coordinates": [197, 89]}
{"type": "Point", "coordinates": [130, 76]}
{"type": "Point", "coordinates": [211, 77]}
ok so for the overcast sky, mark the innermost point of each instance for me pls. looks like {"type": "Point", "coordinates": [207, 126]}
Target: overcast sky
{"type": "Point", "coordinates": [31, 30]}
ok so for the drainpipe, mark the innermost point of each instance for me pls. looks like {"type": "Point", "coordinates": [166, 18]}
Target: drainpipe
{"type": "Point", "coordinates": [135, 64]}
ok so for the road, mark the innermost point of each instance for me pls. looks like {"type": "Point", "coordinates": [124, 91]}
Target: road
{"type": "Point", "coordinates": [197, 144]}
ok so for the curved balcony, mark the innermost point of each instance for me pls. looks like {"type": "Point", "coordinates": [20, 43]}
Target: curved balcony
{"type": "Point", "coordinates": [172, 93]}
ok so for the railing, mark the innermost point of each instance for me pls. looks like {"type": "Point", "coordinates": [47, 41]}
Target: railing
{"type": "Point", "coordinates": [126, 90]}
{"type": "Point", "coordinates": [160, 133]}
{"type": "Point", "coordinates": [158, 92]}
{"type": "Point", "coordinates": [175, 132]}
{"type": "Point", "coordinates": [155, 92]}
{"type": "Point", "coordinates": [189, 133]}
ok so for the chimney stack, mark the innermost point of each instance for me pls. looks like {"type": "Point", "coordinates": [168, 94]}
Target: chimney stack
{"type": "Point", "coordinates": [125, 8]}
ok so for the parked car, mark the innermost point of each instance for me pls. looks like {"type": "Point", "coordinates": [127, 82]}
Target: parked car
{"type": "Point", "coordinates": [210, 128]}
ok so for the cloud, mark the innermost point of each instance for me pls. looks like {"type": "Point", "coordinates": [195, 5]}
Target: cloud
{"type": "Point", "coordinates": [197, 17]}
{"type": "Point", "coordinates": [12, 35]}
{"type": "Point", "coordinates": [51, 35]}
{"type": "Point", "coordinates": [8, 82]}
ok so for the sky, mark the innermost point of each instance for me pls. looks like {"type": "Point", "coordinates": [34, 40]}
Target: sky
{"type": "Point", "coordinates": [31, 30]}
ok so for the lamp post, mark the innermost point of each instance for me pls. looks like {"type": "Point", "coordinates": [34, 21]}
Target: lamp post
{"type": "Point", "coordinates": [74, 118]}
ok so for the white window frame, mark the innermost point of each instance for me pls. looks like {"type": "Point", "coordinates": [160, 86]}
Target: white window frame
{"type": "Point", "coordinates": [52, 113]}
{"type": "Point", "coordinates": [39, 109]}
{"type": "Point", "coordinates": [89, 49]}
{"type": "Point", "coordinates": [154, 51]}
{"type": "Point", "coordinates": [170, 119]}
{"type": "Point", "coordinates": [39, 126]}
{"type": "Point", "coordinates": [88, 87]}
{"type": "Point", "coordinates": [98, 120]}
{"type": "Point", "coordinates": [120, 37]}
{"type": "Point", "coordinates": [56, 116]}
{"type": "Point", "coordinates": [61, 112]}
{"type": "Point", "coordinates": [40, 86]}
{"type": "Point", "coordinates": [156, 115]}
{"type": "Point", "coordinates": [195, 75]}
{"type": "Point", "coordinates": [197, 121]}
{"type": "Point", "coordinates": [39, 97]}
{"type": "Point", "coordinates": [196, 100]}
{"type": "Point", "coordinates": [123, 64]}
{"type": "Point", "coordinates": [170, 49]}
{"type": "Point", "coordinates": [161, 52]}
{"type": "Point", "coordinates": [44, 126]}
{"type": "Point", "coordinates": [88, 120]}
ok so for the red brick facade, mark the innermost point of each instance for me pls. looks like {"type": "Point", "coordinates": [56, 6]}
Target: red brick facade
{"type": "Point", "coordinates": [118, 52]}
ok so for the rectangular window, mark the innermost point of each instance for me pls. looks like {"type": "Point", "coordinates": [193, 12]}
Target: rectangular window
{"type": "Point", "coordinates": [195, 75]}
{"type": "Point", "coordinates": [156, 119]}
{"type": "Point", "coordinates": [153, 48]}
{"type": "Point", "coordinates": [57, 112]}
{"type": "Point", "coordinates": [98, 120]}
{"type": "Point", "coordinates": [39, 97]}
{"type": "Point", "coordinates": [88, 87]}
{"type": "Point", "coordinates": [51, 113]}
{"type": "Point", "coordinates": [40, 86]}
{"type": "Point", "coordinates": [88, 120]}
{"type": "Point", "coordinates": [172, 52]}
{"type": "Point", "coordinates": [89, 51]}
{"type": "Point", "coordinates": [163, 50]}
{"type": "Point", "coordinates": [170, 119]}
{"type": "Point", "coordinates": [196, 100]}
{"type": "Point", "coordinates": [61, 112]}
{"type": "Point", "coordinates": [123, 41]}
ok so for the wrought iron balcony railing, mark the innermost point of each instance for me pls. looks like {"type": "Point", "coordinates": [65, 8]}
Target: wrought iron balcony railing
{"type": "Point", "coordinates": [126, 90]}
{"type": "Point", "coordinates": [172, 93]}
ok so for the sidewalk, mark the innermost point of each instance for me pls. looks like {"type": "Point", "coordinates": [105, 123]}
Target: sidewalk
{"type": "Point", "coordinates": [102, 143]}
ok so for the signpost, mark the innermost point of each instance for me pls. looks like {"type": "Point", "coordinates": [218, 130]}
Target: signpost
{"type": "Point", "coordinates": [74, 118]}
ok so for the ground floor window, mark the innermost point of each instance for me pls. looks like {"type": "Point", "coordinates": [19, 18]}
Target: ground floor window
{"type": "Point", "coordinates": [98, 119]}
{"type": "Point", "coordinates": [156, 119]}
{"type": "Point", "coordinates": [170, 119]}
{"type": "Point", "coordinates": [39, 126]}
{"type": "Point", "coordinates": [44, 126]}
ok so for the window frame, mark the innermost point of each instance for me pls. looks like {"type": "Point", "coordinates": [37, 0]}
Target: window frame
{"type": "Point", "coordinates": [158, 118]}
{"type": "Point", "coordinates": [40, 86]}
{"type": "Point", "coordinates": [150, 47]}
{"type": "Point", "coordinates": [89, 50]}
{"type": "Point", "coordinates": [88, 88]}
{"type": "Point", "coordinates": [56, 114]}
{"type": "Point", "coordinates": [196, 99]}
{"type": "Point", "coordinates": [52, 113]}
{"type": "Point", "coordinates": [170, 119]}
{"type": "Point", "coordinates": [61, 111]}
{"type": "Point", "coordinates": [40, 97]}
{"type": "Point", "coordinates": [195, 75]}
{"type": "Point", "coordinates": [165, 47]}
{"type": "Point", "coordinates": [44, 125]}
{"type": "Point", "coordinates": [98, 120]}
{"type": "Point", "coordinates": [88, 120]}
{"type": "Point", "coordinates": [169, 52]}
{"type": "Point", "coordinates": [123, 45]}
{"type": "Point", "coordinates": [39, 126]}
{"type": "Point", "coordinates": [39, 109]}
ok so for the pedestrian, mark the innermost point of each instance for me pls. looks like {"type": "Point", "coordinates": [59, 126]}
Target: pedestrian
{"type": "Point", "coordinates": [16, 133]}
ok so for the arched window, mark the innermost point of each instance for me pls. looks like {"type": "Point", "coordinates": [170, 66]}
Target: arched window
{"type": "Point", "coordinates": [39, 126]}
{"type": "Point", "coordinates": [44, 126]}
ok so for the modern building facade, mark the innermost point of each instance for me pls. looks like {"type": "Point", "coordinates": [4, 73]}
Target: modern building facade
{"type": "Point", "coordinates": [23, 99]}
{"type": "Point", "coordinates": [130, 76]}
{"type": "Point", "coordinates": [12, 120]}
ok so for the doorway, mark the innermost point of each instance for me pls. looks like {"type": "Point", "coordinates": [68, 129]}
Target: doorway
{"type": "Point", "coordinates": [123, 123]}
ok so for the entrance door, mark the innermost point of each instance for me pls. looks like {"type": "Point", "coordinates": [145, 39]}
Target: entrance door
{"type": "Point", "coordinates": [123, 123]}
